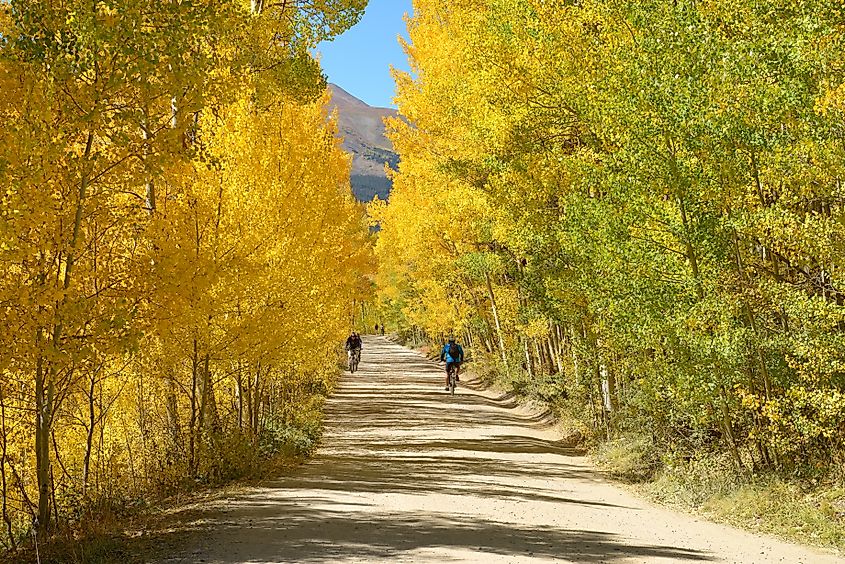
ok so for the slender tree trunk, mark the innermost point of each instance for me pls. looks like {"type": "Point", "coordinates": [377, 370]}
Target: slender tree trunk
{"type": "Point", "coordinates": [239, 393]}
{"type": "Point", "coordinates": [89, 437]}
{"type": "Point", "coordinates": [495, 311]}
{"type": "Point", "coordinates": [541, 360]}
{"type": "Point", "coordinates": [214, 424]}
{"type": "Point", "coordinates": [192, 423]}
{"type": "Point", "coordinates": [149, 185]}
{"type": "Point", "coordinates": [727, 424]}
{"type": "Point", "coordinates": [250, 411]}
{"type": "Point", "coordinates": [612, 388]}
{"type": "Point", "coordinates": [554, 352]}
{"type": "Point", "coordinates": [45, 375]}
{"type": "Point", "coordinates": [42, 440]}
{"type": "Point", "coordinates": [173, 413]}
{"type": "Point", "coordinates": [203, 412]}
{"type": "Point", "coordinates": [557, 350]}
{"type": "Point", "coordinates": [256, 402]}
{"type": "Point", "coordinates": [576, 366]}
{"type": "Point", "coordinates": [131, 454]}
{"type": "Point", "coordinates": [692, 257]}
{"type": "Point", "coordinates": [3, 460]}
{"type": "Point", "coordinates": [488, 337]}
{"type": "Point", "coordinates": [752, 322]}
{"type": "Point", "coordinates": [101, 460]}
{"type": "Point", "coordinates": [528, 363]}
{"type": "Point", "coordinates": [54, 504]}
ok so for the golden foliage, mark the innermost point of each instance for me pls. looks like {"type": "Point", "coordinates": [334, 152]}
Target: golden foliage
{"type": "Point", "coordinates": [180, 248]}
{"type": "Point", "coordinates": [636, 208]}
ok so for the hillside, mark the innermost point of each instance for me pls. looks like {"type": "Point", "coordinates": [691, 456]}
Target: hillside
{"type": "Point", "coordinates": [362, 128]}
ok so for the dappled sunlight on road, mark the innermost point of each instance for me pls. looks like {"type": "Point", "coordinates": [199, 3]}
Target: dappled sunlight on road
{"type": "Point", "coordinates": [409, 473]}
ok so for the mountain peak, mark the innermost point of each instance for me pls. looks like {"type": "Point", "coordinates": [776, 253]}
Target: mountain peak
{"type": "Point", "coordinates": [343, 99]}
{"type": "Point", "coordinates": [362, 128]}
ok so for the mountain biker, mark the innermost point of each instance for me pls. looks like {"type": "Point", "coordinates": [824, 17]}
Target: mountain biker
{"type": "Point", "coordinates": [353, 342]}
{"type": "Point", "coordinates": [453, 355]}
{"type": "Point", "coordinates": [353, 345]}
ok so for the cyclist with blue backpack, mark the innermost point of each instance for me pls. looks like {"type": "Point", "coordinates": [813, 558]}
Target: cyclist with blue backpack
{"type": "Point", "coordinates": [453, 355]}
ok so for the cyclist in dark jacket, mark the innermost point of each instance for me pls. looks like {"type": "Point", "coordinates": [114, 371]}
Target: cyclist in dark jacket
{"type": "Point", "coordinates": [353, 342]}
{"type": "Point", "coordinates": [453, 355]}
{"type": "Point", "coordinates": [353, 346]}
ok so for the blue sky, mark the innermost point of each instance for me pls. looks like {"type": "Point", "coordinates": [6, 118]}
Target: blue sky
{"type": "Point", "coordinates": [359, 60]}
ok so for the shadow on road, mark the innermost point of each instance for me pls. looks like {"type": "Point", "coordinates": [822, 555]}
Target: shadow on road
{"type": "Point", "coordinates": [289, 532]}
{"type": "Point", "coordinates": [392, 432]}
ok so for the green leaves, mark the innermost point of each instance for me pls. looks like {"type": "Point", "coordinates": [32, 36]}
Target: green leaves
{"type": "Point", "coordinates": [661, 181]}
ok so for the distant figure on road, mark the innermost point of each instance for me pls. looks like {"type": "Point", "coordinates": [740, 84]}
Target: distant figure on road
{"type": "Point", "coordinates": [382, 329]}
{"type": "Point", "coordinates": [453, 355]}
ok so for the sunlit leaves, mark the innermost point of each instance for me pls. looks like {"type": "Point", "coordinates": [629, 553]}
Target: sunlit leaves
{"type": "Point", "coordinates": [170, 179]}
{"type": "Point", "coordinates": [659, 181]}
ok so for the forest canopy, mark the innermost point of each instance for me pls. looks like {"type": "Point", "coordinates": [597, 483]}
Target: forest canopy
{"type": "Point", "coordinates": [179, 246]}
{"type": "Point", "coordinates": [637, 208]}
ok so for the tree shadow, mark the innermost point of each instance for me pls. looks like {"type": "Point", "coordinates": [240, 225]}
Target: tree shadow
{"type": "Point", "coordinates": [393, 435]}
{"type": "Point", "coordinates": [271, 528]}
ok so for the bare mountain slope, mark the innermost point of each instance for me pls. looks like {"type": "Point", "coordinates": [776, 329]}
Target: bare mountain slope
{"type": "Point", "coordinates": [362, 128]}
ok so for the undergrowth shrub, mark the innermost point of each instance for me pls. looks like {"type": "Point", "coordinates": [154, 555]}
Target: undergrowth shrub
{"type": "Point", "coordinates": [632, 458]}
{"type": "Point", "coordinates": [288, 440]}
{"type": "Point", "coordinates": [296, 433]}
{"type": "Point", "coordinates": [807, 511]}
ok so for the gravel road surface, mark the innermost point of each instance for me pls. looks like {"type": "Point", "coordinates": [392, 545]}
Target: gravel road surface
{"type": "Point", "coordinates": [408, 473]}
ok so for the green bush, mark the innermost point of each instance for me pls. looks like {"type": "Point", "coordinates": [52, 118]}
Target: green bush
{"type": "Point", "coordinates": [284, 439]}
{"type": "Point", "coordinates": [296, 433]}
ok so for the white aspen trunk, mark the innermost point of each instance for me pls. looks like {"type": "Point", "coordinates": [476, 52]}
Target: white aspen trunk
{"type": "Point", "coordinates": [42, 448]}
{"type": "Point", "coordinates": [3, 434]}
{"type": "Point", "coordinates": [605, 389]}
{"type": "Point", "coordinates": [537, 354]}
{"type": "Point", "coordinates": [576, 367]}
{"type": "Point", "coordinates": [527, 358]}
{"type": "Point", "coordinates": [45, 375]}
{"type": "Point", "coordinates": [89, 439]}
{"type": "Point", "coordinates": [496, 319]}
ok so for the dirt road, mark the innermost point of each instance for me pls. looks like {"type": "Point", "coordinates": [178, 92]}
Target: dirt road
{"type": "Point", "coordinates": [409, 474]}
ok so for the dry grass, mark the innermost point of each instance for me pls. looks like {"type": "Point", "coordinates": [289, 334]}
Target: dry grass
{"type": "Point", "coordinates": [807, 512]}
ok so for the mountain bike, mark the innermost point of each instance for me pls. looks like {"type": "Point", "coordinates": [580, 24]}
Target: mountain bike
{"type": "Point", "coordinates": [452, 375]}
{"type": "Point", "coordinates": [354, 359]}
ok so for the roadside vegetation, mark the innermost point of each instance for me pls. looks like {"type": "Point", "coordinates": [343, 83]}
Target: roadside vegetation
{"type": "Point", "coordinates": [180, 253]}
{"type": "Point", "coordinates": [633, 212]}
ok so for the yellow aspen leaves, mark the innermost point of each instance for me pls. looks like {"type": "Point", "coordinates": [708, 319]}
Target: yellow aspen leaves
{"type": "Point", "coordinates": [179, 247]}
{"type": "Point", "coordinates": [634, 210]}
